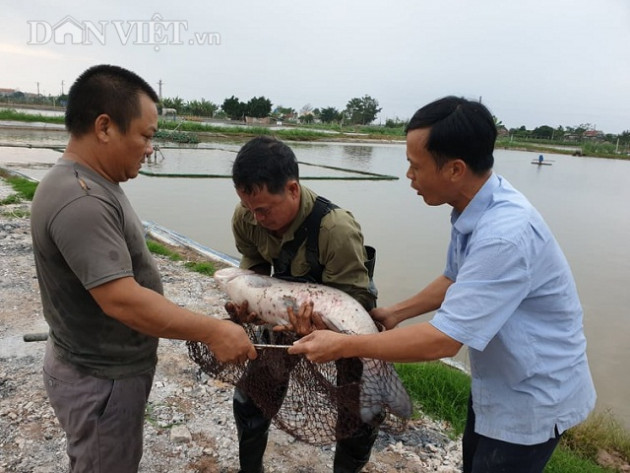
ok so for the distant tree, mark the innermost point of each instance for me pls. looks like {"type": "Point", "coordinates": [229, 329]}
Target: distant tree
{"type": "Point", "coordinates": [521, 132]}
{"type": "Point", "coordinates": [362, 110]}
{"type": "Point", "coordinates": [201, 108]}
{"type": "Point", "coordinates": [544, 132]}
{"type": "Point", "coordinates": [234, 108]}
{"type": "Point", "coordinates": [579, 130]}
{"type": "Point", "coordinates": [258, 107]}
{"type": "Point", "coordinates": [497, 123]}
{"type": "Point", "coordinates": [283, 113]}
{"type": "Point", "coordinates": [177, 103]}
{"type": "Point", "coordinates": [306, 114]}
{"type": "Point", "coordinates": [329, 115]}
{"type": "Point", "coordinates": [558, 133]}
{"type": "Point", "coordinates": [395, 123]}
{"type": "Point", "coordinates": [307, 109]}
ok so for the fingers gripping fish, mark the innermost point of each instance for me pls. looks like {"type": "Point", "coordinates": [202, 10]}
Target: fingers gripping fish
{"type": "Point", "coordinates": [270, 297]}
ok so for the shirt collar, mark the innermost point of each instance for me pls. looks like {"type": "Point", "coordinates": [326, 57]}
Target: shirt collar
{"type": "Point", "coordinates": [466, 221]}
{"type": "Point", "coordinates": [307, 201]}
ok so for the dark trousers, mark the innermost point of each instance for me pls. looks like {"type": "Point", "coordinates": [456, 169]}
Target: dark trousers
{"type": "Point", "coordinates": [103, 418]}
{"type": "Point", "coordinates": [485, 455]}
{"type": "Point", "coordinates": [351, 454]}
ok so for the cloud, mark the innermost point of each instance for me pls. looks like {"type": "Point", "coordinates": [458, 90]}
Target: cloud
{"type": "Point", "coordinates": [30, 51]}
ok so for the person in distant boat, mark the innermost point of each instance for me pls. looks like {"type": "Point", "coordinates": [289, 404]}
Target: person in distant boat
{"type": "Point", "coordinates": [100, 287]}
{"type": "Point", "coordinates": [507, 293]}
{"type": "Point", "coordinates": [540, 159]}
{"type": "Point", "coordinates": [283, 226]}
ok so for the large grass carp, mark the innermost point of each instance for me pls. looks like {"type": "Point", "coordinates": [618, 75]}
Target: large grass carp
{"type": "Point", "coordinates": [270, 297]}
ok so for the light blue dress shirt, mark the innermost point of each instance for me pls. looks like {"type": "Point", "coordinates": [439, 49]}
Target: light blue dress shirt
{"type": "Point", "coordinates": [515, 305]}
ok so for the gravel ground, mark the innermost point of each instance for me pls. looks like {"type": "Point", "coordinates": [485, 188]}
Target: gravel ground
{"type": "Point", "coordinates": [189, 425]}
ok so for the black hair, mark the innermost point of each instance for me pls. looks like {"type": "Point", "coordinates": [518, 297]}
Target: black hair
{"type": "Point", "coordinates": [105, 89]}
{"type": "Point", "coordinates": [459, 129]}
{"type": "Point", "coordinates": [264, 162]}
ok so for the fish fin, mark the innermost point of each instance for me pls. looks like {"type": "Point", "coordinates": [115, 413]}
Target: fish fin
{"type": "Point", "coordinates": [381, 387]}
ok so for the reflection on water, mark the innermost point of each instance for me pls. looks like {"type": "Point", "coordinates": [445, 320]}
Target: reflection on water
{"type": "Point", "coordinates": [357, 156]}
{"type": "Point", "coordinates": [191, 161]}
{"type": "Point", "coordinates": [213, 162]}
{"type": "Point", "coordinates": [55, 136]}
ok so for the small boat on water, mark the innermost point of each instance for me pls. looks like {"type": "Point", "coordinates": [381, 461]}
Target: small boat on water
{"type": "Point", "coordinates": [539, 163]}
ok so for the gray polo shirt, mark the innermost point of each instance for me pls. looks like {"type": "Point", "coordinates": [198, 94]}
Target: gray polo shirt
{"type": "Point", "coordinates": [85, 234]}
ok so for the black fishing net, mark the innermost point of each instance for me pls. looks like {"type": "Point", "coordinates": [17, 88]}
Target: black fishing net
{"type": "Point", "coordinates": [315, 403]}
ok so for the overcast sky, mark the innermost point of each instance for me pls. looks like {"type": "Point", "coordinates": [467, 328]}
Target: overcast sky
{"type": "Point", "coordinates": [533, 62]}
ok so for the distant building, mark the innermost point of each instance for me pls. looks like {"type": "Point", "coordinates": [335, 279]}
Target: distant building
{"type": "Point", "coordinates": [593, 135]}
{"type": "Point", "coordinates": [7, 92]}
{"type": "Point", "coordinates": [258, 121]}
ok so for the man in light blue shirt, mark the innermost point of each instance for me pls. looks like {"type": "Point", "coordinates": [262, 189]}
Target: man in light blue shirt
{"type": "Point", "coordinates": [507, 293]}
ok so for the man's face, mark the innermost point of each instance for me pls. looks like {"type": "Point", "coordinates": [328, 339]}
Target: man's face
{"type": "Point", "coordinates": [428, 181]}
{"type": "Point", "coordinates": [129, 150]}
{"type": "Point", "coordinates": [274, 212]}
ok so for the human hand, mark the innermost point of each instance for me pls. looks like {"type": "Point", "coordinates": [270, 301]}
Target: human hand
{"type": "Point", "coordinates": [384, 316]}
{"type": "Point", "coordinates": [230, 343]}
{"type": "Point", "coordinates": [304, 322]}
{"type": "Point", "coordinates": [241, 315]}
{"type": "Point", "coordinates": [320, 346]}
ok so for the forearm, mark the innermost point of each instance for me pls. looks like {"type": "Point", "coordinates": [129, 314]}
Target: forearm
{"type": "Point", "coordinates": [418, 342]}
{"type": "Point", "coordinates": [152, 314]}
{"type": "Point", "coordinates": [428, 299]}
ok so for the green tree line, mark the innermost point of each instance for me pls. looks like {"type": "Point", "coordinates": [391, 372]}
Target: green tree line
{"type": "Point", "coordinates": [358, 111]}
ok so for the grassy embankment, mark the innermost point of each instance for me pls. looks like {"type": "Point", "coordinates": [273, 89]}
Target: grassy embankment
{"type": "Point", "coordinates": [194, 132]}
{"type": "Point", "coordinates": [441, 392]}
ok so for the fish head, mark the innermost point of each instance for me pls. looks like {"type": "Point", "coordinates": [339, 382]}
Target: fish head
{"type": "Point", "coordinates": [225, 275]}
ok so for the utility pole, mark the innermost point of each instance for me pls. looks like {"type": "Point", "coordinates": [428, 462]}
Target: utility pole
{"type": "Point", "coordinates": [38, 89]}
{"type": "Point", "coordinates": [61, 87]}
{"type": "Point", "coordinates": [160, 90]}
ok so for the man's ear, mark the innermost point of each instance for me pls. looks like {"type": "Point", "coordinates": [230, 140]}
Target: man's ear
{"type": "Point", "coordinates": [102, 127]}
{"type": "Point", "coordinates": [293, 188]}
{"type": "Point", "coordinates": [457, 169]}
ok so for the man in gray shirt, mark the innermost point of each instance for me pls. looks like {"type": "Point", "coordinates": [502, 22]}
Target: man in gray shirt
{"type": "Point", "coordinates": [101, 290]}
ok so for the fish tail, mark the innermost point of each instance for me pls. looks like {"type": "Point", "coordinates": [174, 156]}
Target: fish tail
{"type": "Point", "coordinates": [382, 389]}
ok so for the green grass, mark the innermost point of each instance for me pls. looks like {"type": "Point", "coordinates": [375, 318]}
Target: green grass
{"type": "Point", "coordinates": [24, 188]}
{"type": "Point", "coordinates": [158, 249]}
{"type": "Point", "coordinates": [565, 461]}
{"type": "Point", "coordinates": [441, 392]}
{"type": "Point", "coordinates": [14, 213]}
{"type": "Point", "coordinates": [11, 199]}
{"type": "Point", "coordinates": [205, 267]}
{"type": "Point", "coordinates": [241, 131]}
{"type": "Point", "coordinates": [11, 114]}
{"type": "Point", "coordinates": [597, 150]}
{"type": "Point", "coordinates": [176, 136]}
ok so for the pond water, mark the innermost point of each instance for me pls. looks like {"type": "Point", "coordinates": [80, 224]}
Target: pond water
{"type": "Point", "coordinates": [584, 201]}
